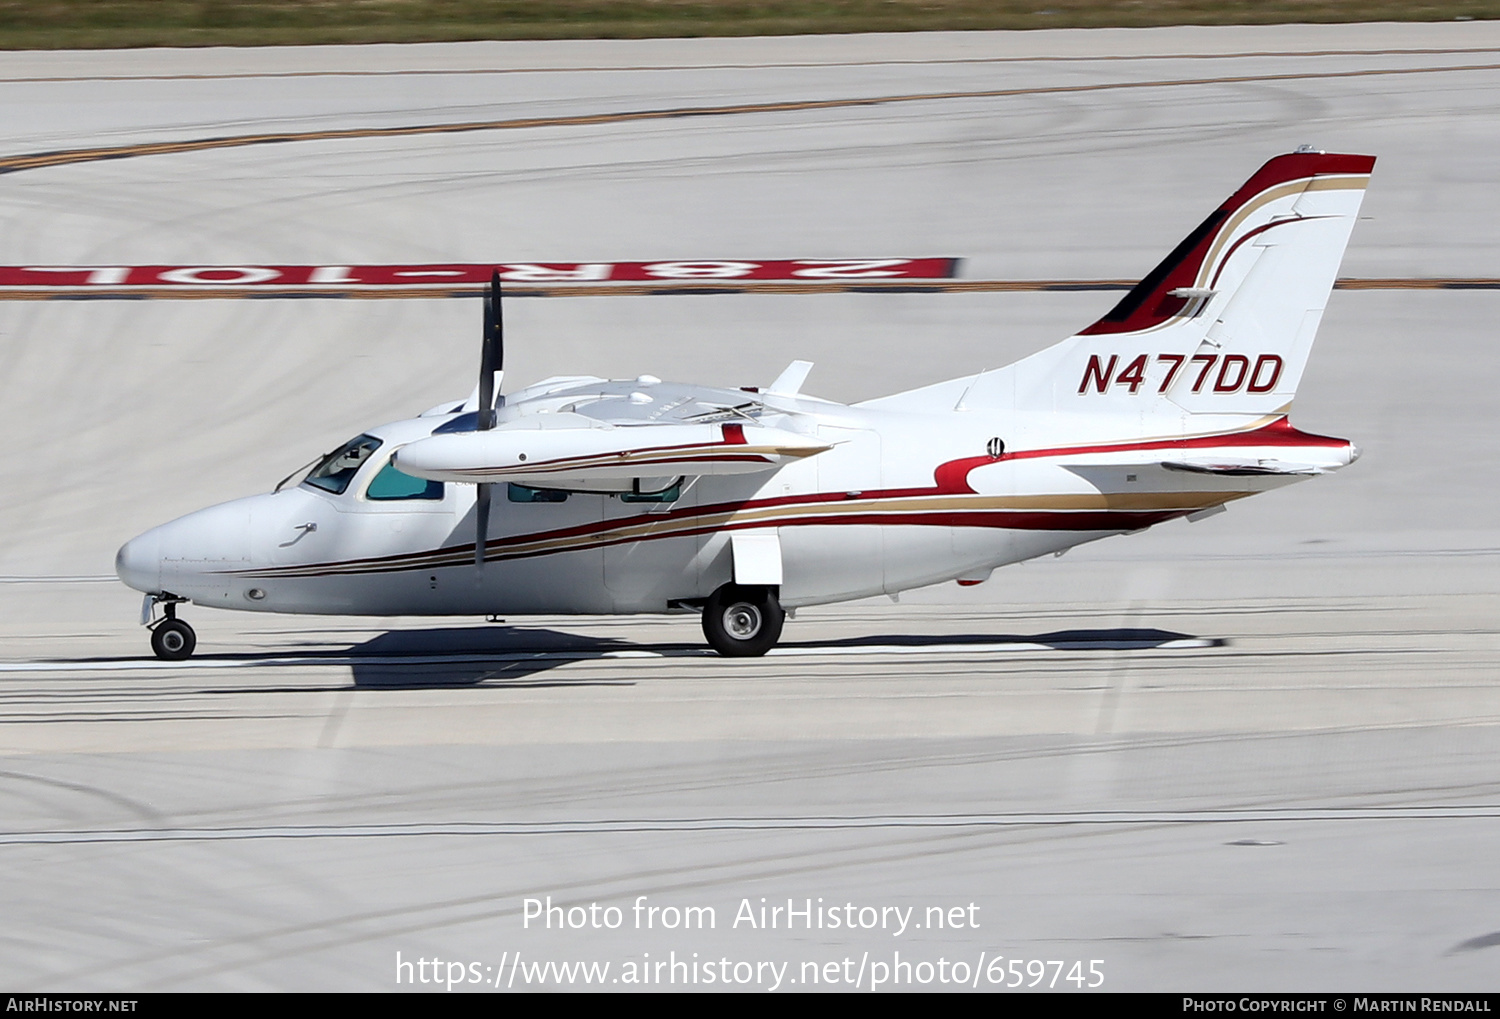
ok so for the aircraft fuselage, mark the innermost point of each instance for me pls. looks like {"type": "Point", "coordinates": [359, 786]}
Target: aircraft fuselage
{"type": "Point", "coordinates": [896, 501]}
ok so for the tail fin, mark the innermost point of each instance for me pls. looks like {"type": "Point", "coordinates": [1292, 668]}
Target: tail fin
{"type": "Point", "coordinates": [1222, 326]}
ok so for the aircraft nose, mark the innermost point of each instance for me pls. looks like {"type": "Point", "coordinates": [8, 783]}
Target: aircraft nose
{"type": "Point", "coordinates": [138, 563]}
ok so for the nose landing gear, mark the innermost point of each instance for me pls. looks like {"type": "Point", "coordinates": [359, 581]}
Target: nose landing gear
{"type": "Point", "coordinates": [172, 639]}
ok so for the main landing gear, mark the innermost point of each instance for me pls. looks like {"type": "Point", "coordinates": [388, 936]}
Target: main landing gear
{"type": "Point", "coordinates": [172, 639]}
{"type": "Point", "coordinates": [743, 622]}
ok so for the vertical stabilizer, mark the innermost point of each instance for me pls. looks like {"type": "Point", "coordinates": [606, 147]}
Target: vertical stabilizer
{"type": "Point", "coordinates": [1222, 326]}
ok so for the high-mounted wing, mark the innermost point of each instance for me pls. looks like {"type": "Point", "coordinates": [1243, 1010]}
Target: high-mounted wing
{"type": "Point", "coordinates": [590, 434]}
{"type": "Point", "coordinates": [582, 456]}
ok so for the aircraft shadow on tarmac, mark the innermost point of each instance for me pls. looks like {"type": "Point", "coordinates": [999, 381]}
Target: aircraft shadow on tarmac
{"type": "Point", "coordinates": [519, 656]}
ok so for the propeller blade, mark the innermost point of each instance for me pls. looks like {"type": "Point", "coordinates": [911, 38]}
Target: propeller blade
{"type": "Point", "coordinates": [481, 524]}
{"type": "Point", "coordinates": [491, 354]}
{"type": "Point", "coordinates": [499, 335]}
{"type": "Point", "coordinates": [491, 360]}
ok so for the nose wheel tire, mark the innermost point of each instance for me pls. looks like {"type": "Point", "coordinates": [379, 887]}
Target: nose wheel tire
{"type": "Point", "coordinates": [173, 640]}
{"type": "Point", "coordinates": [743, 622]}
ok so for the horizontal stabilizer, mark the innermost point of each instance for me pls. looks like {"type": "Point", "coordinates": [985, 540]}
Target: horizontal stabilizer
{"type": "Point", "coordinates": [1242, 468]}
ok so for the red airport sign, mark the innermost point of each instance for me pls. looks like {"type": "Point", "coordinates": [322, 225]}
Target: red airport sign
{"type": "Point", "coordinates": [451, 275]}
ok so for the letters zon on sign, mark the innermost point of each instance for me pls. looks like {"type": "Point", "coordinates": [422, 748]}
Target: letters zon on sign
{"type": "Point", "coordinates": [1235, 372]}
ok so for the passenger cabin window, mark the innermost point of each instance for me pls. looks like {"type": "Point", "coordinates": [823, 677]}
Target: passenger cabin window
{"type": "Point", "coordinates": [520, 493]}
{"type": "Point", "coordinates": [391, 484]}
{"type": "Point", "coordinates": [665, 495]}
{"type": "Point", "coordinates": [338, 468]}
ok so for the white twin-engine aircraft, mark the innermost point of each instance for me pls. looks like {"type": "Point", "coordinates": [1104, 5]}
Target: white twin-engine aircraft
{"type": "Point", "coordinates": [581, 495]}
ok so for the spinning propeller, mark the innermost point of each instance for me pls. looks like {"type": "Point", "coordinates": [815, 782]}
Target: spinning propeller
{"type": "Point", "coordinates": [491, 363]}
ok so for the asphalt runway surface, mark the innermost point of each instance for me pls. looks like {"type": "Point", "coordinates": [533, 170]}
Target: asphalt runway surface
{"type": "Point", "coordinates": [1256, 752]}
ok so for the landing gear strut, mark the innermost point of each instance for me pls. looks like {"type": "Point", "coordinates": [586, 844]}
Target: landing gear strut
{"type": "Point", "coordinates": [172, 639]}
{"type": "Point", "coordinates": [743, 622]}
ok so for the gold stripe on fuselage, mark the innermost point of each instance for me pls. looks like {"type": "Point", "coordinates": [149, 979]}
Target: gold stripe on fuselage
{"type": "Point", "coordinates": [794, 514]}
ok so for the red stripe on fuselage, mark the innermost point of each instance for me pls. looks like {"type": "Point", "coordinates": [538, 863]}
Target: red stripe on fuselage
{"type": "Point", "coordinates": [950, 478]}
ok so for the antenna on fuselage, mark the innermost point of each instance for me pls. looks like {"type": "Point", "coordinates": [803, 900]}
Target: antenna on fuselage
{"type": "Point", "coordinates": [491, 363]}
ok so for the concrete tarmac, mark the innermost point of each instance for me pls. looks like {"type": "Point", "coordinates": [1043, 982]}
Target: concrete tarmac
{"type": "Point", "coordinates": [1252, 753]}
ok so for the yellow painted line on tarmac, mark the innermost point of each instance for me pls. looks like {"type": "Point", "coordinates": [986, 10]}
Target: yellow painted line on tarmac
{"type": "Point", "coordinates": [66, 157]}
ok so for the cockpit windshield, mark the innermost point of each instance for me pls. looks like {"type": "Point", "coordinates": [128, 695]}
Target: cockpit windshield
{"type": "Point", "coordinates": [338, 468]}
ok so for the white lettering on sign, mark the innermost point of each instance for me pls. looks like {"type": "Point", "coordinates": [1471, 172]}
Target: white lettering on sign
{"type": "Point", "coordinates": [701, 270]}
{"type": "Point", "coordinates": [220, 274]}
{"type": "Point", "coordinates": [523, 273]}
{"type": "Point", "coordinates": [837, 268]}
{"type": "Point", "coordinates": [331, 274]}
{"type": "Point", "coordinates": [104, 275]}
{"type": "Point", "coordinates": [468, 274]}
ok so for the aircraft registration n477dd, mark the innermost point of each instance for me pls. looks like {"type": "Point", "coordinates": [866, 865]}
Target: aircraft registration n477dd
{"type": "Point", "coordinates": [581, 495]}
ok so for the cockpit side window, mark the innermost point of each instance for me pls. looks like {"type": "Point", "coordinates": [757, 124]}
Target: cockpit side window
{"type": "Point", "coordinates": [338, 468]}
{"type": "Point", "coordinates": [393, 484]}
{"type": "Point", "coordinates": [520, 493]}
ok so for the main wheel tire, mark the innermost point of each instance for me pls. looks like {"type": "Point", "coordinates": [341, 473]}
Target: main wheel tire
{"type": "Point", "coordinates": [743, 622]}
{"type": "Point", "coordinates": [173, 640]}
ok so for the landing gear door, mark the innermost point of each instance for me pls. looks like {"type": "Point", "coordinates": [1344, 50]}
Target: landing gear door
{"type": "Point", "coordinates": [837, 551]}
{"type": "Point", "coordinates": [757, 557]}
